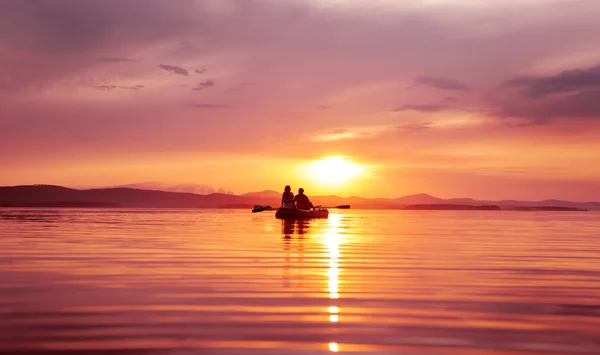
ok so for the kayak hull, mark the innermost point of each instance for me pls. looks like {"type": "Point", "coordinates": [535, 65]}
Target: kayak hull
{"type": "Point", "coordinates": [295, 213]}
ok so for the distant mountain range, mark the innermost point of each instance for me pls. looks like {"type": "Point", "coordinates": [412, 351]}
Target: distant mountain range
{"type": "Point", "coordinates": [58, 196]}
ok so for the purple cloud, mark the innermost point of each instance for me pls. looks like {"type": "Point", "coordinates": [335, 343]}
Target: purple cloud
{"type": "Point", "coordinates": [572, 94]}
{"type": "Point", "coordinates": [173, 69]}
{"type": "Point", "coordinates": [567, 81]}
{"type": "Point", "coordinates": [106, 87]}
{"type": "Point", "coordinates": [113, 87]}
{"type": "Point", "coordinates": [204, 85]}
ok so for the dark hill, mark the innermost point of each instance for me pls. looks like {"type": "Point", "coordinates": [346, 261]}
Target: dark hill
{"type": "Point", "coordinates": [50, 195]}
{"type": "Point", "coordinates": [124, 197]}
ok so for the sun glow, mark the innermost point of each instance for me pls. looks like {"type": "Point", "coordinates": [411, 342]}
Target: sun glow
{"type": "Point", "coordinates": [334, 170]}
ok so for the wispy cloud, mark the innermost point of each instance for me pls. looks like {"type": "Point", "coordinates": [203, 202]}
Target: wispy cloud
{"type": "Point", "coordinates": [204, 85]}
{"type": "Point", "coordinates": [175, 70]}
{"type": "Point", "coordinates": [113, 87]}
{"type": "Point", "coordinates": [352, 133]}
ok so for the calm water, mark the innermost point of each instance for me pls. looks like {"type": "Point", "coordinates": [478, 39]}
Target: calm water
{"type": "Point", "coordinates": [233, 282]}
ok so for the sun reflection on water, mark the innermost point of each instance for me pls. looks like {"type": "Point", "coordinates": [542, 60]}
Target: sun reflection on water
{"type": "Point", "coordinates": [334, 347]}
{"type": "Point", "coordinates": [332, 239]}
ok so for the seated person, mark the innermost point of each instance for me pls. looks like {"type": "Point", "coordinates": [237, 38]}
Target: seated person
{"type": "Point", "coordinates": [287, 198]}
{"type": "Point", "coordinates": [302, 201]}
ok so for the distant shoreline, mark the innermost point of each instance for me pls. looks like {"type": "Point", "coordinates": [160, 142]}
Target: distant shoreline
{"type": "Point", "coordinates": [424, 207]}
{"type": "Point", "coordinates": [445, 207]}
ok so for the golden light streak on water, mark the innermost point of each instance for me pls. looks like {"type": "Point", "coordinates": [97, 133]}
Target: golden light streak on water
{"type": "Point", "coordinates": [333, 241]}
{"type": "Point", "coordinates": [334, 347]}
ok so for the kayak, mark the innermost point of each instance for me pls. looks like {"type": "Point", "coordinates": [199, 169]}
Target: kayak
{"type": "Point", "coordinates": [296, 213]}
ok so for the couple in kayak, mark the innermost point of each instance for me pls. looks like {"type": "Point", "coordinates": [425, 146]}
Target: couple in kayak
{"type": "Point", "coordinates": [300, 201]}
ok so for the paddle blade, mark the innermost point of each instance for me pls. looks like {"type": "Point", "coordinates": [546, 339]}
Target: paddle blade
{"type": "Point", "coordinates": [343, 206]}
{"type": "Point", "coordinates": [262, 208]}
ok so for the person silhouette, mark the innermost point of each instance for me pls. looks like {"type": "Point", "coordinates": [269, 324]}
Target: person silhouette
{"type": "Point", "coordinates": [287, 198]}
{"type": "Point", "coordinates": [302, 201]}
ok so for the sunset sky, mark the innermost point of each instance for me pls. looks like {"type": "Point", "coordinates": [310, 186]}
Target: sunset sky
{"type": "Point", "coordinates": [495, 99]}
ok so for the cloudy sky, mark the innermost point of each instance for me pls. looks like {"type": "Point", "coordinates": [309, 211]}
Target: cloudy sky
{"type": "Point", "coordinates": [485, 99]}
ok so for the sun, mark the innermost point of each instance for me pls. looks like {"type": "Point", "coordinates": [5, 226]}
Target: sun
{"type": "Point", "coordinates": [332, 170]}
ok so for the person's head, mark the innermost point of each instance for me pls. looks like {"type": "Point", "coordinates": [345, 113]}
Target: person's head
{"type": "Point", "coordinates": [287, 188]}
{"type": "Point", "coordinates": [300, 191]}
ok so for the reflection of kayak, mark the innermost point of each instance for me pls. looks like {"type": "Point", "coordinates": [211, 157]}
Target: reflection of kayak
{"type": "Point", "coordinates": [295, 213]}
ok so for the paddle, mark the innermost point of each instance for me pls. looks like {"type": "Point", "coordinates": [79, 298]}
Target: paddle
{"type": "Point", "coordinates": [334, 207]}
{"type": "Point", "coordinates": [259, 208]}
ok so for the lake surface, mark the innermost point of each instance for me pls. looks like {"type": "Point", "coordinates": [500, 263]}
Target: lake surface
{"type": "Point", "coordinates": [364, 282]}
